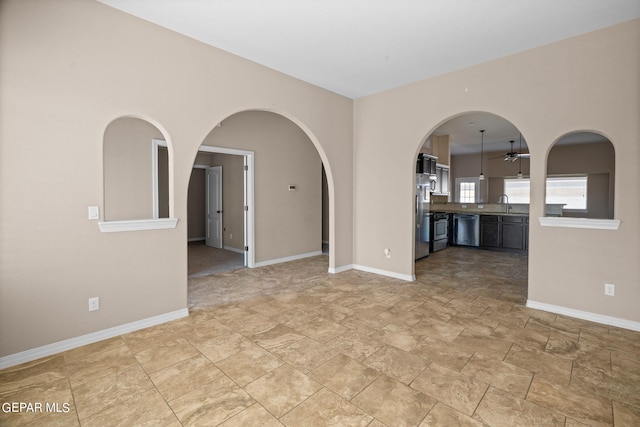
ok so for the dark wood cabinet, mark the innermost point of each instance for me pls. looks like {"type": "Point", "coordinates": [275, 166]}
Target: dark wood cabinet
{"type": "Point", "coordinates": [490, 231]}
{"type": "Point", "coordinates": [504, 232]}
{"type": "Point", "coordinates": [513, 232]}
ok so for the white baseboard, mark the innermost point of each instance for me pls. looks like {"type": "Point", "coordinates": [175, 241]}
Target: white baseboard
{"type": "Point", "coordinates": [340, 269]}
{"type": "Point", "coordinates": [287, 259]}
{"type": "Point", "coordinates": [407, 277]}
{"type": "Point", "coordinates": [196, 239]}
{"type": "Point", "coordinates": [230, 249]}
{"type": "Point", "coordinates": [585, 315]}
{"type": "Point", "coordinates": [60, 346]}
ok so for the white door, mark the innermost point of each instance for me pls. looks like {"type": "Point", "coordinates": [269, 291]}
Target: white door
{"type": "Point", "coordinates": [214, 206]}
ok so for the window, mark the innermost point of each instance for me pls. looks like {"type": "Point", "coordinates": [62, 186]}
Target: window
{"type": "Point", "coordinates": [517, 190]}
{"type": "Point", "coordinates": [568, 190]}
{"type": "Point", "coordinates": [467, 190]}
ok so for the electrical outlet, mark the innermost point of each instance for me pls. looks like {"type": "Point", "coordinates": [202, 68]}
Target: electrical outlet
{"type": "Point", "coordinates": [94, 304]}
{"type": "Point", "coordinates": [387, 252]}
{"type": "Point", "coordinates": [230, 236]}
{"type": "Point", "coordinates": [609, 289]}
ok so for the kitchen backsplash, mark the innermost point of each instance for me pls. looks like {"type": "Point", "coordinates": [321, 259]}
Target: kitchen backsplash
{"type": "Point", "coordinates": [439, 199]}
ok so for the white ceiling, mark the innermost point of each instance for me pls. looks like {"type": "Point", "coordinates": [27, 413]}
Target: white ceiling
{"type": "Point", "coordinates": [360, 47]}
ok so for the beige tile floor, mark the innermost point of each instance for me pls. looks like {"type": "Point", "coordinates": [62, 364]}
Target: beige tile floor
{"type": "Point", "coordinates": [292, 345]}
{"type": "Point", "coordinates": [205, 260]}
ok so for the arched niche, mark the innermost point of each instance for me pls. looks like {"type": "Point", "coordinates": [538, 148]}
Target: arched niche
{"type": "Point", "coordinates": [581, 175]}
{"type": "Point", "coordinates": [136, 175]}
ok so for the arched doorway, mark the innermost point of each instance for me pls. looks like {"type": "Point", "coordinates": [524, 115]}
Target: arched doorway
{"type": "Point", "coordinates": [472, 198]}
{"type": "Point", "coordinates": [280, 215]}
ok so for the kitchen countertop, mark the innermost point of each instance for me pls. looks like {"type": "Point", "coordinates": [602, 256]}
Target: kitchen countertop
{"type": "Point", "coordinates": [515, 209]}
{"type": "Point", "coordinates": [481, 212]}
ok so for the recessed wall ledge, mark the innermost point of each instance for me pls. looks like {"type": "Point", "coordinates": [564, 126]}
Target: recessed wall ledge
{"type": "Point", "coordinates": [567, 222]}
{"type": "Point", "coordinates": [137, 225]}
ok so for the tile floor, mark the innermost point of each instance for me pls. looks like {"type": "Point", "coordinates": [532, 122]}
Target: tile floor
{"type": "Point", "coordinates": [205, 260]}
{"type": "Point", "coordinates": [292, 345]}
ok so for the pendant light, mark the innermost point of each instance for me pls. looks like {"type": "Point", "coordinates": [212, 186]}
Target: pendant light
{"type": "Point", "coordinates": [520, 159]}
{"type": "Point", "coordinates": [481, 177]}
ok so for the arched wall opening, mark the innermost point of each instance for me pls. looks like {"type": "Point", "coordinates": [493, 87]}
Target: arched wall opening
{"type": "Point", "coordinates": [136, 169]}
{"type": "Point", "coordinates": [580, 175]}
{"type": "Point", "coordinates": [474, 173]}
{"type": "Point", "coordinates": [285, 185]}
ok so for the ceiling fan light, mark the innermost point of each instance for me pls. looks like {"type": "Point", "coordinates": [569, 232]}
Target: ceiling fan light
{"type": "Point", "coordinates": [481, 177]}
{"type": "Point", "coordinates": [519, 175]}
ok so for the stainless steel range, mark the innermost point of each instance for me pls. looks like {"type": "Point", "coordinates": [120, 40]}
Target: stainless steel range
{"type": "Point", "coordinates": [439, 231]}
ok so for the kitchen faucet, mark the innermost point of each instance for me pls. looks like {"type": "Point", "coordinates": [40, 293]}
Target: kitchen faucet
{"type": "Point", "coordinates": [501, 199]}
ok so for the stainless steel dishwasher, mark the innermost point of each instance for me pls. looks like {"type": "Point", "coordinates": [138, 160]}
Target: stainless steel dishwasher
{"type": "Point", "coordinates": [466, 228]}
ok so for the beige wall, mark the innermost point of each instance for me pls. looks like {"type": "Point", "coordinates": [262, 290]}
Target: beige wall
{"type": "Point", "coordinates": [60, 87]}
{"type": "Point", "coordinates": [287, 223]}
{"type": "Point", "coordinates": [196, 205]}
{"type": "Point", "coordinates": [590, 82]}
{"type": "Point", "coordinates": [127, 169]}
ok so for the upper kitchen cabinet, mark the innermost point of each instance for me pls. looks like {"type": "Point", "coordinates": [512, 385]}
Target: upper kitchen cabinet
{"type": "Point", "coordinates": [440, 148]}
{"type": "Point", "coordinates": [442, 180]}
{"type": "Point", "coordinates": [426, 164]}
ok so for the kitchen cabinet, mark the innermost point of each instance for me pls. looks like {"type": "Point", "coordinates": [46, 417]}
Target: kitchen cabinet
{"type": "Point", "coordinates": [490, 231]}
{"type": "Point", "coordinates": [440, 148]}
{"type": "Point", "coordinates": [442, 180]}
{"type": "Point", "coordinates": [514, 233]}
{"type": "Point", "coordinates": [426, 164]}
{"type": "Point", "coordinates": [504, 232]}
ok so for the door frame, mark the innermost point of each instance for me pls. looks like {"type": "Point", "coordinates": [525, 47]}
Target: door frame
{"type": "Point", "coordinates": [155, 185]}
{"type": "Point", "coordinates": [213, 193]}
{"type": "Point", "coordinates": [249, 217]}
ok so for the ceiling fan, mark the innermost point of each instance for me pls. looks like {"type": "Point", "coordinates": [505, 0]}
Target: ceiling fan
{"type": "Point", "coordinates": [512, 156]}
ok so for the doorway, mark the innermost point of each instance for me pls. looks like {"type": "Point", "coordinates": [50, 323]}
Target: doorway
{"type": "Point", "coordinates": [220, 211]}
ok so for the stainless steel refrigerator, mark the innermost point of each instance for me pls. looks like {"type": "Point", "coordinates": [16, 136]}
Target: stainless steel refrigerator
{"type": "Point", "coordinates": [423, 216]}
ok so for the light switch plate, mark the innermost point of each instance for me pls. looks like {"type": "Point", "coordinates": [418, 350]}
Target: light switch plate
{"type": "Point", "coordinates": [94, 212]}
{"type": "Point", "coordinates": [609, 289]}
